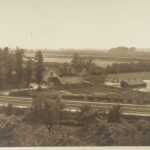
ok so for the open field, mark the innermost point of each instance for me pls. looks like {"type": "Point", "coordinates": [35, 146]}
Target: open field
{"type": "Point", "coordinates": [126, 76]}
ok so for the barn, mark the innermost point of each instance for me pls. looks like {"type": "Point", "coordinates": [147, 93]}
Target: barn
{"type": "Point", "coordinates": [134, 83]}
{"type": "Point", "coordinates": [52, 77]}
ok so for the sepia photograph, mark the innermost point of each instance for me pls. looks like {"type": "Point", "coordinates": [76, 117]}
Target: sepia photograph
{"type": "Point", "coordinates": [75, 73]}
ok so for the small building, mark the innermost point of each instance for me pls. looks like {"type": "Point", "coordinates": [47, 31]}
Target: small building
{"type": "Point", "coordinates": [134, 83]}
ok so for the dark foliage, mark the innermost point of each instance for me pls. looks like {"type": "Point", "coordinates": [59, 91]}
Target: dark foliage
{"type": "Point", "coordinates": [80, 65]}
{"type": "Point", "coordinates": [140, 66]}
{"type": "Point", "coordinates": [39, 66]}
{"type": "Point", "coordinates": [46, 109]}
{"type": "Point", "coordinates": [114, 115]}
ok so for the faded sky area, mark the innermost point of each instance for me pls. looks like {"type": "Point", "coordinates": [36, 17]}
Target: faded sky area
{"type": "Point", "coordinates": [74, 23]}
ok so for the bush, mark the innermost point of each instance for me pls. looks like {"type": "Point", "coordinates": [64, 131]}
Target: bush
{"type": "Point", "coordinates": [10, 110]}
{"type": "Point", "coordinates": [114, 115]}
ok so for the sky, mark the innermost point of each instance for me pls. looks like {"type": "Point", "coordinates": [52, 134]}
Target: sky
{"type": "Point", "coordinates": [54, 24]}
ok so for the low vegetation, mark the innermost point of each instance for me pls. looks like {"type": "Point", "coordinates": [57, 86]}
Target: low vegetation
{"type": "Point", "coordinates": [47, 124]}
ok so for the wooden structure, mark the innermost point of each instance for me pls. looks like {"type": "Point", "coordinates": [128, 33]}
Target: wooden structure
{"type": "Point", "coordinates": [133, 83]}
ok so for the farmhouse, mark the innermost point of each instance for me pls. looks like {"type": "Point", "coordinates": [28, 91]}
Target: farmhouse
{"type": "Point", "coordinates": [52, 77]}
{"type": "Point", "coordinates": [134, 83]}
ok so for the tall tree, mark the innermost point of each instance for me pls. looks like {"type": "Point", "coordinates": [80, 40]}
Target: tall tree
{"type": "Point", "coordinates": [9, 69]}
{"type": "Point", "coordinates": [1, 68]}
{"type": "Point", "coordinates": [39, 67]}
{"type": "Point", "coordinates": [63, 69]}
{"type": "Point", "coordinates": [19, 65]}
{"type": "Point", "coordinates": [76, 62]}
{"type": "Point", "coordinates": [28, 71]}
{"type": "Point", "coordinates": [114, 115]}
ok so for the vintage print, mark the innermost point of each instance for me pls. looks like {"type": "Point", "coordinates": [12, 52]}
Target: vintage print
{"type": "Point", "coordinates": [74, 73]}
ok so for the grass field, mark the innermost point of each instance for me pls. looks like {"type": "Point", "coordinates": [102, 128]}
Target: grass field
{"type": "Point", "coordinates": [134, 75]}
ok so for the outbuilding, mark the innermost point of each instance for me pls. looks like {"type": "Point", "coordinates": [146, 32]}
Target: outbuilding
{"type": "Point", "coordinates": [134, 83]}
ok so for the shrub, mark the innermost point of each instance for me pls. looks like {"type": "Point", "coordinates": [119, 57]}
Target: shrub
{"type": "Point", "coordinates": [114, 115]}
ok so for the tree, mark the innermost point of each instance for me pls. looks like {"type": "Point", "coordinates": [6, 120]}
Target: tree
{"type": "Point", "coordinates": [76, 62]}
{"type": "Point", "coordinates": [39, 66]}
{"type": "Point", "coordinates": [79, 63]}
{"type": "Point", "coordinates": [64, 69]}
{"type": "Point", "coordinates": [29, 71]}
{"type": "Point", "coordinates": [9, 68]}
{"type": "Point", "coordinates": [114, 115]}
{"type": "Point", "coordinates": [2, 75]}
{"type": "Point", "coordinates": [19, 64]}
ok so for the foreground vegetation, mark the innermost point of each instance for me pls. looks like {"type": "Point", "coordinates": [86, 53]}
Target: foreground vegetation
{"type": "Point", "coordinates": [47, 124]}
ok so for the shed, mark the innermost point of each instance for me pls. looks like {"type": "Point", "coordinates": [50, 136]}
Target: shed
{"type": "Point", "coordinates": [134, 83]}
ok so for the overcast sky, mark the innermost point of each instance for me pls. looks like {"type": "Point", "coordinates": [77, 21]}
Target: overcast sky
{"type": "Point", "coordinates": [74, 23]}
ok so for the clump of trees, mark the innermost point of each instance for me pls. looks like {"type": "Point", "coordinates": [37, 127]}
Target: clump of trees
{"type": "Point", "coordinates": [46, 109]}
{"type": "Point", "coordinates": [15, 72]}
{"type": "Point", "coordinates": [80, 65]}
{"type": "Point", "coordinates": [7, 64]}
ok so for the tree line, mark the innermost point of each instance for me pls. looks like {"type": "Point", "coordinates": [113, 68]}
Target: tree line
{"type": "Point", "coordinates": [140, 66]}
